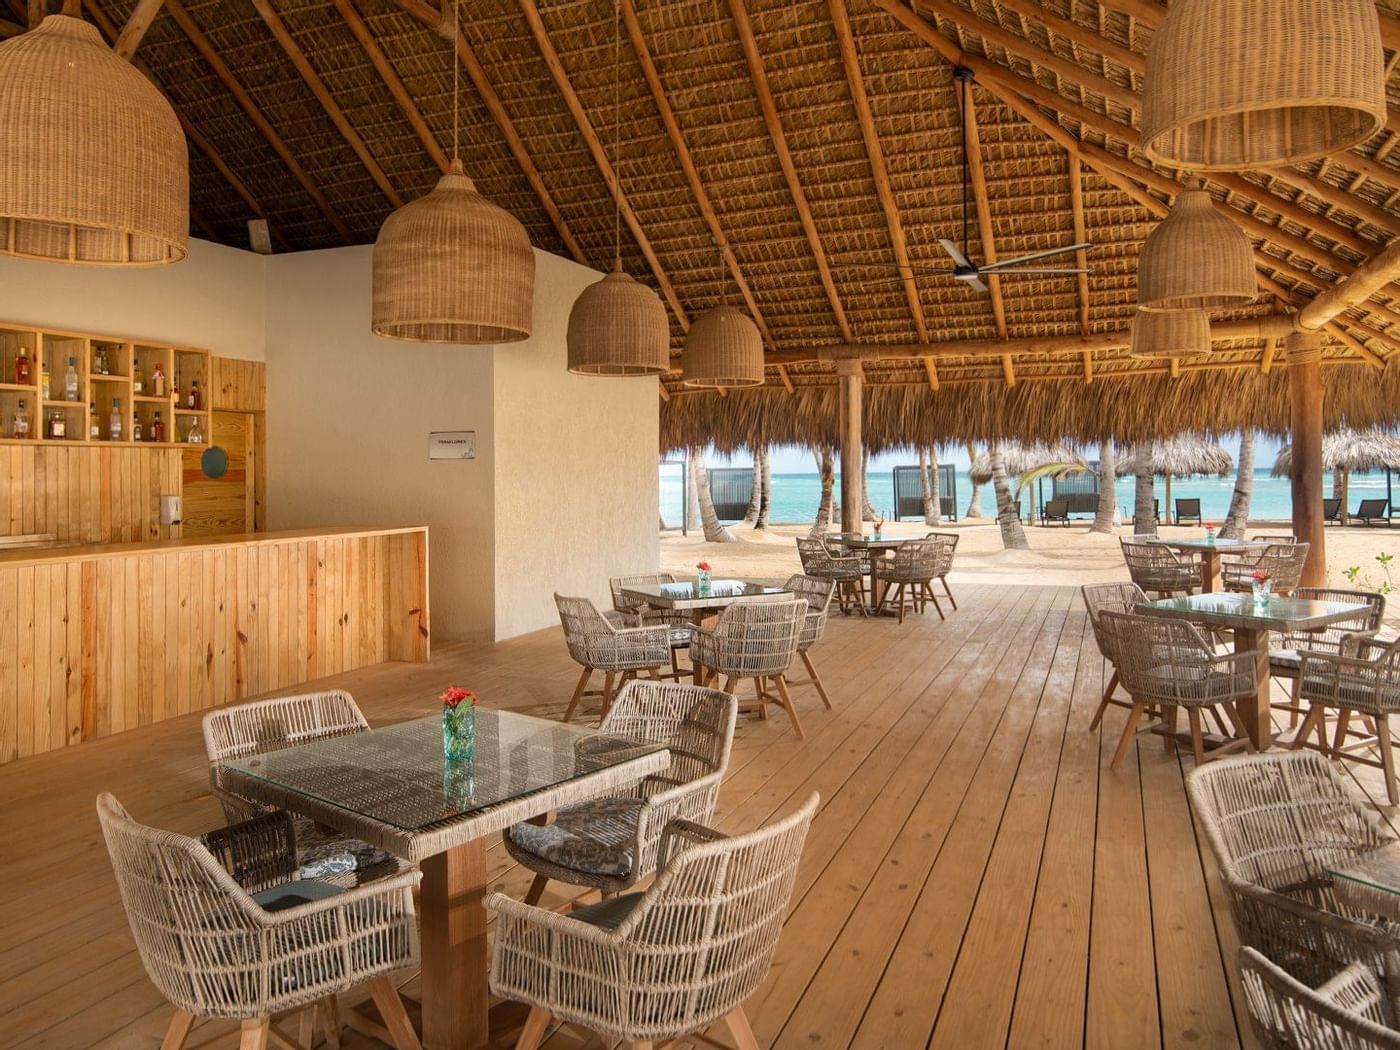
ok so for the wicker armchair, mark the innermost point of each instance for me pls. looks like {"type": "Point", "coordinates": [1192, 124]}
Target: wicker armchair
{"type": "Point", "coordinates": [260, 726]}
{"type": "Point", "coordinates": [611, 843]}
{"type": "Point", "coordinates": [635, 613]}
{"type": "Point", "coordinates": [1362, 678]}
{"type": "Point", "coordinates": [847, 572]}
{"type": "Point", "coordinates": [1350, 1011]}
{"type": "Point", "coordinates": [1160, 570]}
{"type": "Point", "coordinates": [947, 548]}
{"type": "Point", "coordinates": [1275, 823]}
{"type": "Point", "coordinates": [1282, 561]}
{"type": "Point", "coordinates": [1170, 663]}
{"type": "Point", "coordinates": [599, 643]}
{"type": "Point", "coordinates": [655, 966]}
{"type": "Point", "coordinates": [818, 596]}
{"type": "Point", "coordinates": [910, 574]}
{"type": "Point", "coordinates": [1100, 598]}
{"type": "Point", "coordinates": [754, 640]}
{"type": "Point", "coordinates": [1286, 646]}
{"type": "Point", "coordinates": [245, 942]}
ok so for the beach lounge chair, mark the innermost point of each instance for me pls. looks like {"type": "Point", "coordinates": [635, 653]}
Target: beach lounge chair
{"type": "Point", "coordinates": [1373, 510]}
{"type": "Point", "coordinates": [1055, 510]}
{"type": "Point", "coordinates": [1188, 508]}
{"type": "Point", "coordinates": [1332, 511]}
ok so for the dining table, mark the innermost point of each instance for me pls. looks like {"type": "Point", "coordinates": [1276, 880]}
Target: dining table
{"type": "Point", "coordinates": [393, 788]}
{"type": "Point", "coordinates": [877, 546]}
{"type": "Point", "coordinates": [1251, 620]}
{"type": "Point", "coordinates": [1369, 882]}
{"type": "Point", "coordinates": [1210, 551]}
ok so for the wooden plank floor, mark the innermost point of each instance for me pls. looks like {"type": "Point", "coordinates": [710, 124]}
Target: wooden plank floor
{"type": "Point", "coordinates": [976, 876]}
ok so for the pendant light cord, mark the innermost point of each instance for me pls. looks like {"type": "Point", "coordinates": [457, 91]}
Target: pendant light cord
{"type": "Point", "coordinates": [962, 137]}
{"type": "Point", "coordinates": [617, 134]}
{"type": "Point", "coordinates": [456, 76]}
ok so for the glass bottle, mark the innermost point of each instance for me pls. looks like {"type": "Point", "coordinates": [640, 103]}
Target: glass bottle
{"type": "Point", "coordinates": [94, 431]}
{"type": "Point", "coordinates": [22, 367]}
{"type": "Point", "coordinates": [114, 428]}
{"type": "Point", "coordinates": [99, 362]}
{"type": "Point", "coordinates": [136, 385]}
{"type": "Point", "coordinates": [196, 400]}
{"type": "Point", "coordinates": [157, 428]}
{"type": "Point", "coordinates": [46, 393]}
{"type": "Point", "coordinates": [58, 426]}
{"type": "Point", "coordinates": [135, 428]}
{"type": "Point", "coordinates": [196, 435]}
{"type": "Point", "coordinates": [70, 380]}
{"type": "Point", "coordinates": [21, 423]}
{"type": "Point", "coordinates": [157, 381]}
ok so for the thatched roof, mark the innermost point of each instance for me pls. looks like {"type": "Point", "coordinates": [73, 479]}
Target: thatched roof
{"type": "Point", "coordinates": [1347, 449]}
{"type": "Point", "coordinates": [1180, 456]}
{"type": "Point", "coordinates": [1018, 458]}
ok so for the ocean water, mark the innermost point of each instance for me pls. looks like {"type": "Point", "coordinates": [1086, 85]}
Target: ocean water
{"type": "Point", "coordinates": [796, 496]}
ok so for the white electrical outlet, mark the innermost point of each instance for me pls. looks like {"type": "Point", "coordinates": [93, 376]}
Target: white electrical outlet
{"type": "Point", "coordinates": [170, 510]}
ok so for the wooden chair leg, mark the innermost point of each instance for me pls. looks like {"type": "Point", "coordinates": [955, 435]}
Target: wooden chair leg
{"type": "Point", "coordinates": [1293, 702]}
{"type": "Point", "coordinates": [948, 591]}
{"type": "Point", "coordinates": [740, 1029]}
{"type": "Point", "coordinates": [532, 1035]}
{"type": "Point", "coordinates": [729, 684]}
{"type": "Point", "coordinates": [1311, 721]}
{"type": "Point", "coordinates": [306, 1027]}
{"type": "Point", "coordinates": [781, 682]}
{"type": "Point", "coordinates": [816, 678]}
{"type": "Point", "coordinates": [899, 600]}
{"type": "Point", "coordinates": [761, 695]}
{"type": "Point", "coordinates": [1198, 751]}
{"type": "Point", "coordinates": [536, 890]}
{"type": "Point", "coordinates": [1241, 731]}
{"type": "Point", "coordinates": [179, 1030]}
{"type": "Point", "coordinates": [328, 1009]}
{"type": "Point", "coordinates": [1339, 738]}
{"type": "Point", "coordinates": [1169, 722]}
{"type": "Point", "coordinates": [1129, 732]}
{"type": "Point", "coordinates": [391, 1011]}
{"type": "Point", "coordinates": [608, 679]}
{"type": "Point", "coordinates": [1387, 758]}
{"type": "Point", "coordinates": [253, 1034]}
{"type": "Point", "coordinates": [929, 596]}
{"type": "Point", "coordinates": [578, 692]}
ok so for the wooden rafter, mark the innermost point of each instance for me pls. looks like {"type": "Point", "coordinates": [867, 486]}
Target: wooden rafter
{"type": "Point", "coordinates": [431, 16]}
{"type": "Point", "coordinates": [1081, 257]}
{"type": "Point", "coordinates": [140, 20]}
{"type": "Point", "coordinates": [329, 105]}
{"type": "Point", "coordinates": [35, 12]}
{"type": "Point", "coordinates": [246, 103]}
{"type": "Point", "coordinates": [9, 29]}
{"type": "Point", "coordinates": [986, 234]}
{"type": "Point", "coordinates": [600, 157]}
{"type": "Point", "coordinates": [758, 76]}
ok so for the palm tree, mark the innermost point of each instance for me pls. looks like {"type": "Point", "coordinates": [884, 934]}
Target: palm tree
{"type": "Point", "coordinates": [1144, 514]}
{"type": "Point", "coordinates": [765, 499]}
{"type": "Point", "coordinates": [700, 481]}
{"type": "Point", "coordinates": [1237, 520]}
{"type": "Point", "coordinates": [928, 486]}
{"type": "Point", "coordinates": [867, 512]}
{"type": "Point", "coordinates": [1013, 537]}
{"type": "Point", "coordinates": [974, 503]}
{"type": "Point", "coordinates": [756, 487]}
{"type": "Point", "coordinates": [1108, 491]}
{"type": "Point", "coordinates": [826, 469]}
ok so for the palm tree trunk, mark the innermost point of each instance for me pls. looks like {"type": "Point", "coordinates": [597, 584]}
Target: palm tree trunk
{"type": "Point", "coordinates": [756, 488]}
{"type": "Point", "coordinates": [867, 512]}
{"type": "Point", "coordinates": [1144, 522]}
{"type": "Point", "coordinates": [1108, 490]}
{"type": "Point", "coordinates": [1013, 537]}
{"type": "Point", "coordinates": [709, 520]}
{"type": "Point", "coordinates": [928, 486]}
{"type": "Point", "coordinates": [826, 469]}
{"type": "Point", "coordinates": [692, 497]}
{"type": "Point", "coordinates": [974, 502]}
{"type": "Point", "coordinates": [1237, 520]}
{"type": "Point", "coordinates": [765, 501]}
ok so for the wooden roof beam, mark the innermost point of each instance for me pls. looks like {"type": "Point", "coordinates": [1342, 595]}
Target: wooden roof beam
{"type": "Point", "coordinates": [1073, 31]}
{"type": "Point", "coordinates": [9, 29]}
{"type": "Point", "coordinates": [1369, 278]}
{"type": "Point", "coordinates": [249, 107]}
{"type": "Point", "coordinates": [759, 78]}
{"type": "Point", "coordinates": [329, 106]}
{"type": "Point", "coordinates": [140, 19]}
{"type": "Point", "coordinates": [600, 156]}
{"type": "Point", "coordinates": [1081, 257]}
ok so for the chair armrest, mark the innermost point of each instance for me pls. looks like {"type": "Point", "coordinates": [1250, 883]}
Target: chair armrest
{"type": "Point", "coordinates": [679, 835]}
{"type": "Point", "coordinates": [621, 619]}
{"type": "Point", "coordinates": [515, 920]}
{"type": "Point", "coordinates": [692, 801]}
{"type": "Point", "coordinates": [1231, 663]}
{"type": "Point", "coordinates": [392, 890]}
{"type": "Point", "coordinates": [259, 852]}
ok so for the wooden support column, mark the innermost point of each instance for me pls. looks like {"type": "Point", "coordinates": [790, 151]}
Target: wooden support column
{"type": "Point", "coordinates": [852, 381]}
{"type": "Point", "coordinates": [1305, 383]}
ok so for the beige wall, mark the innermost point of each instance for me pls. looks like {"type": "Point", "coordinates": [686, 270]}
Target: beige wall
{"type": "Point", "coordinates": [214, 299]}
{"type": "Point", "coordinates": [576, 476]}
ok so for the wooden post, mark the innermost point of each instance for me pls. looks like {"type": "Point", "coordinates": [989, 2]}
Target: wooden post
{"type": "Point", "coordinates": [1305, 383]}
{"type": "Point", "coordinates": [852, 381]}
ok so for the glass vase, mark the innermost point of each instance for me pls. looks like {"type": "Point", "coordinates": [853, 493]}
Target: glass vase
{"type": "Point", "coordinates": [702, 581]}
{"type": "Point", "coordinates": [458, 732]}
{"type": "Point", "coordinates": [1263, 590]}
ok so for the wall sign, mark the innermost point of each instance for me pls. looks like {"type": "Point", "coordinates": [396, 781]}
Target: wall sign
{"type": "Point", "coordinates": [452, 444]}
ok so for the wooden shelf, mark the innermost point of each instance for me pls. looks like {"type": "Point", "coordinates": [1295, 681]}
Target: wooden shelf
{"type": "Point", "coordinates": [80, 403]}
{"type": "Point", "coordinates": [147, 399]}
{"type": "Point", "coordinates": [20, 388]}
{"type": "Point", "coordinates": [109, 378]}
{"type": "Point", "coordinates": [191, 411]}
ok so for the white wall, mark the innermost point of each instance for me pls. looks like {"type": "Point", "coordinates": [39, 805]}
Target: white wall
{"type": "Point", "coordinates": [214, 299]}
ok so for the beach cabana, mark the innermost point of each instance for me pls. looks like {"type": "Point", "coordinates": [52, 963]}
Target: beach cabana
{"type": "Point", "coordinates": [1346, 452]}
{"type": "Point", "coordinates": [1182, 456]}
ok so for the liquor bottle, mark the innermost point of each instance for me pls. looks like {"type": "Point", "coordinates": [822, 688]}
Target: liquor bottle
{"type": "Point", "coordinates": [58, 426]}
{"type": "Point", "coordinates": [114, 428]}
{"type": "Point", "coordinates": [136, 385]}
{"type": "Point", "coordinates": [21, 424]}
{"type": "Point", "coordinates": [157, 381]}
{"type": "Point", "coordinates": [157, 428]}
{"type": "Point", "coordinates": [195, 399]}
{"type": "Point", "coordinates": [94, 431]}
{"type": "Point", "coordinates": [22, 367]}
{"type": "Point", "coordinates": [135, 428]}
{"type": "Point", "coordinates": [45, 393]}
{"type": "Point", "coordinates": [70, 380]}
{"type": "Point", "coordinates": [99, 362]}
{"type": "Point", "coordinates": [196, 435]}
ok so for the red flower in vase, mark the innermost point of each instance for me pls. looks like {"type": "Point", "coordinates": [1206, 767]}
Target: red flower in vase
{"type": "Point", "coordinates": [454, 696]}
{"type": "Point", "coordinates": [1261, 576]}
{"type": "Point", "coordinates": [703, 566]}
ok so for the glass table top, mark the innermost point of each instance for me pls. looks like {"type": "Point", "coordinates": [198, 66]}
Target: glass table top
{"type": "Point", "coordinates": [1207, 545]}
{"type": "Point", "coordinates": [689, 592]}
{"type": "Point", "coordinates": [1240, 610]}
{"type": "Point", "coordinates": [398, 776]}
{"type": "Point", "coordinates": [851, 539]}
{"type": "Point", "coordinates": [1379, 870]}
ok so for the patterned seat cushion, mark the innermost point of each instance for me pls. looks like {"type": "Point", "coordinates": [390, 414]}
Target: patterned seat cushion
{"type": "Point", "coordinates": [593, 837]}
{"type": "Point", "coordinates": [324, 853]}
{"type": "Point", "coordinates": [1285, 660]}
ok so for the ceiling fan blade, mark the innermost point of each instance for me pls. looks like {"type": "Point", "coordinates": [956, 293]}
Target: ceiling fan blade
{"type": "Point", "coordinates": [1033, 256]}
{"type": "Point", "coordinates": [1038, 271]}
{"type": "Point", "coordinates": [953, 250]}
{"type": "Point", "coordinates": [973, 281]}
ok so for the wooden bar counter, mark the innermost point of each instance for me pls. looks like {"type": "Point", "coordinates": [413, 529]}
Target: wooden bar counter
{"type": "Point", "coordinates": [98, 639]}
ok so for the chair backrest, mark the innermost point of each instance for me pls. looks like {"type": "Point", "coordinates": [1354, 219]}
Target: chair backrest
{"type": "Point", "coordinates": [815, 556]}
{"type": "Point", "coordinates": [1330, 637]}
{"type": "Point", "coordinates": [1154, 567]}
{"type": "Point", "coordinates": [1188, 508]}
{"type": "Point", "coordinates": [756, 639]}
{"type": "Point", "coordinates": [1372, 508]}
{"type": "Point", "coordinates": [695, 724]}
{"type": "Point", "coordinates": [1167, 661]}
{"type": "Point", "coordinates": [1351, 1011]}
{"type": "Point", "coordinates": [1284, 564]}
{"type": "Point", "coordinates": [706, 930]}
{"type": "Point", "coordinates": [915, 560]}
{"type": "Point", "coordinates": [1264, 538]}
{"type": "Point", "coordinates": [629, 605]}
{"type": "Point", "coordinates": [1056, 508]}
{"type": "Point", "coordinates": [585, 628]}
{"type": "Point", "coordinates": [1100, 598]}
{"type": "Point", "coordinates": [269, 725]}
{"type": "Point", "coordinates": [1331, 508]}
{"type": "Point", "coordinates": [947, 547]}
{"type": "Point", "coordinates": [818, 594]}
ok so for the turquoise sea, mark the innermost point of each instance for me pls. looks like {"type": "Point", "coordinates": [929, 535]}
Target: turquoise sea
{"type": "Point", "coordinates": [795, 496]}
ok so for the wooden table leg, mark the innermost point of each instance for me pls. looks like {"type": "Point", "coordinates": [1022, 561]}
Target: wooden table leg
{"type": "Point", "coordinates": [1256, 715]}
{"type": "Point", "coordinates": [455, 994]}
{"type": "Point", "coordinates": [1210, 571]}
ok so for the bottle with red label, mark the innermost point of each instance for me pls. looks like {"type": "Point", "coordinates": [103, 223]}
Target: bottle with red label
{"type": "Point", "coordinates": [22, 367]}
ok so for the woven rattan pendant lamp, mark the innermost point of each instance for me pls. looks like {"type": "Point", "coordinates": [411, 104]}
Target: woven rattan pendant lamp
{"type": "Point", "coordinates": [452, 267]}
{"type": "Point", "coordinates": [723, 347]}
{"type": "Point", "coordinates": [93, 164]}
{"type": "Point", "coordinates": [618, 327]}
{"type": "Point", "coordinates": [1196, 259]}
{"type": "Point", "coordinates": [1161, 334]}
{"type": "Point", "coordinates": [1234, 84]}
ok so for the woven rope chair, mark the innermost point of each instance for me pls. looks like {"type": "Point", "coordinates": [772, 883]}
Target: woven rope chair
{"type": "Point", "coordinates": [655, 966]}
{"type": "Point", "coordinates": [754, 640]}
{"type": "Point", "coordinates": [1275, 823]}
{"type": "Point", "coordinates": [1100, 598]}
{"type": "Point", "coordinates": [947, 549]}
{"type": "Point", "coordinates": [1363, 678]}
{"type": "Point", "coordinates": [910, 575]}
{"type": "Point", "coordinates": [847, 572]}
{"type": "Point", "coordinates": [1170, 663]}
{"type": "Point", "coordinates": [1160, 570]}
{"type": "Point", "coordinates": [1349, 1012]}
{"type": "Point", "coordinates": [1282, 561]}
{"type": "Point", "coordinates": [611, 843]}
{"type": "Point", "coordinates": [1285, 647]}
{"type": "Point", "coordinates": [638, 613]}
{"type": "Point", "coordinates": [818, 595]}
{"type": "Point", "coordinates": [599, 643]}
{"type": "Point", "coordinates": [261, 726]}
{"type": "Point", "coordinates": [244, 942]}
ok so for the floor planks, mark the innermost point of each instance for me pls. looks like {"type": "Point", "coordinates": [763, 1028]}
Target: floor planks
{"type": "Point", "coordinates": [976, 876]}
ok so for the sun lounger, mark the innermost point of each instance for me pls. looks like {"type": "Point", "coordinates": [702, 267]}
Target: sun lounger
{"type": "Point", "coordinates": [1055, 510]}
{"type": "Point", "coordinates": [1372, 510]}
{"type": "Point", "coordinates": [1188, 508]}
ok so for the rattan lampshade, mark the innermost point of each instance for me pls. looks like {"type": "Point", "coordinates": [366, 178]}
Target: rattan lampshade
{"type": "Point", "coordinates": [1196, 259]}
{"type": "Point", "coordinates": [723, 348]}
{"type": "Point", "coordinates": [451, 267]}
{"type": "Point", "coordinates": [618, 327]}
{"type": "Point", "coordinates": [93, 165]}
{"type": "Point", "coordinates": [1260, 83]}
{"type": "Point", "coordinates": [1170, 333]}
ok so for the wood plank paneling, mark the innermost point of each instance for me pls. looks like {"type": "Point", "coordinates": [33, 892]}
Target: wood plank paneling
{"type": "Point", "coordinates": [238, 386]}
{"type": "Point", "coordinates": [223, 505]}
{"type": "Point", "coordinates": [94, 645]}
